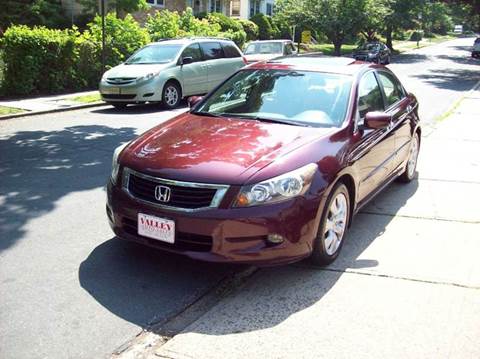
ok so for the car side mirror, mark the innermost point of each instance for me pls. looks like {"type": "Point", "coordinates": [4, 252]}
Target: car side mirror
{"type": "Point", "coordinates": [377, 120]}
{"type": "Point", "coordinates": [187, 60]}
{"type": "Point", "coordinates": [193, 100]}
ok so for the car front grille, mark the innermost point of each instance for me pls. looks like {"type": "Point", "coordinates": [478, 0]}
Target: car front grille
{"type": "Point", "coordinates": [118, 97]}
{"type": "Point", "coordinates": [183, 195]}
{"type": "Point", "coordinates": [120, 80]}
{"type": "Point", "coordinates": [183, 241]}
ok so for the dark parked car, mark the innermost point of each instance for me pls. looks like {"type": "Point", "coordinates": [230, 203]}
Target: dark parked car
{"type": "Point", "coordinates": [476, 48]}
{"type": "Point", "coordinates": [270, 167]}
{"type": "Point", "coordinates": [373, 52]}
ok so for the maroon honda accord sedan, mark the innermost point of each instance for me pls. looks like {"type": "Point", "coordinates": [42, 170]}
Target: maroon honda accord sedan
{"type": "Point", "coordinates": [270, 167]}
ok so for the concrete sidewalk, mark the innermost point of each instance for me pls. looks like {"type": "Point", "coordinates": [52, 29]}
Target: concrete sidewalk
{"type": "Point", "coordinates": [47, 103]}
{"type": "Point", "coordinates": [407, 283]}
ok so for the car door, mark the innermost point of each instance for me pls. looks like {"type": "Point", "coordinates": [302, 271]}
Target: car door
{"type": "Point", "coordinates": [217, 69]}
{"type": "Point", "coordinates": [193, 75]}
{"type": "Point", "coordinates": [400, 106]}
{"type": "Point", "coordinates": [373, 150]}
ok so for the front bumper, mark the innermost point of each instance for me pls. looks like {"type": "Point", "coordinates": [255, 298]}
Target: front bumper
{"type": "Point", "coordinates": [147, 91]}
{"type": "Point", "coordinates": [233, 235]}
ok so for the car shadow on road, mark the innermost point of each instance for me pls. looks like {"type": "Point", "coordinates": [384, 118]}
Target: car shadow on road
{"type": "Point", "coordinates": [137, 109]}
{"type": "Point", "coordinates": [143, 285]}
{"type": "Point", "coordinates": [37, 168]}
{"type": "Point", "coordinates": [136, 283]}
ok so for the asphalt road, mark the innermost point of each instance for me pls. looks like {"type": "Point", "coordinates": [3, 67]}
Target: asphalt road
{"type": "Point", "coordinates": [68, 288]}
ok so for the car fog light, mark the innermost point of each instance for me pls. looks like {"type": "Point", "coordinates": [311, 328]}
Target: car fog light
{"type": "Point", "coordinates": [275, 238]}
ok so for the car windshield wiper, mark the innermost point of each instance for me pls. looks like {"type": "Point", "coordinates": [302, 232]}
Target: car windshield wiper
{"type": "Point", "coordinates": [202, 113]}
{"type": "Point", "coordinates": [276, 120]}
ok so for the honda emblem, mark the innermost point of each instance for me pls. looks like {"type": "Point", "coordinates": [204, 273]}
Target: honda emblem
{"type": "Point", "coordinates": [162, 193]}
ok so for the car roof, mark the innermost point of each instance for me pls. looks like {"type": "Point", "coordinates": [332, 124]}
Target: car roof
{"type": "Point", "coordinates": [189, 40]}
{"type": "Point", "coordinates": [314, 62]}
{"type": "Point", "coordinates": [260, 41]}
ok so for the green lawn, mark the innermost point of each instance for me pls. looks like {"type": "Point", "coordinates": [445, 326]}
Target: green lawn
{"type": "Point", "coordinates": [87, 98]}
{"type": "Point", "coordinates": [327, 49]}
{"type": "Point", "coordinates": [9, 110]}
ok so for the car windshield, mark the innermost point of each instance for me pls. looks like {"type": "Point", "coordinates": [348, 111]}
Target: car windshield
{"type": "Point", "coordinates": [155, 54]}
{"type": "Point", "coordinates": [264, 48]}
{"type": "Point", "coordinates": [303, 98]}
{"type": "Point", "coordinates": [370, 47]}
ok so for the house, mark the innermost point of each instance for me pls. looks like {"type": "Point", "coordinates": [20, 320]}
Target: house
{"type": "Point", "coordinates": [240, 9]}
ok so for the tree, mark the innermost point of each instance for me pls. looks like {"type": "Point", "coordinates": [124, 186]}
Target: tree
{"type": "Point", "coordinates": [402, 14]}
{"type": "Point", "coordinates": [337, 19]}
{"type": "Point", "coordinates": [377, 11]}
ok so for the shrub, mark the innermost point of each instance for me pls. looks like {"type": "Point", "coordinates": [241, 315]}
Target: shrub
{"type": "Point", "coordinates": [226, 23]}
{"type": "Point", "coordinates": [38, 60]}
{"type": "Point", "coordinates": [239, 37]}
{"type": "Point", "coordinates": [250, 28]}
{"type": "Point", "coordinates": [164, 25]}
{"type": "Point", "coordinates": [416, 36]}
{"type": "Point", "coordinates": [265, 31]}
{"type": "Point", "coordinates": [191, 26]}
{"type": "Point", "coordinates": [282, 28]}
{"type": "Point", "coordinates": [123, 37]}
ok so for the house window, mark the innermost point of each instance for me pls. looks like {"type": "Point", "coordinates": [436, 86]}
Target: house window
{"type": "Point", "coordinates": [215, 6]}
{"type": "Point", "coordinates": [269, 8]}
{"type": "Point", "coordinates": [157, 3]}
{"type": "Point", "coordinates": [254, 7]}
{"type": "Point", "coordinates": [235, 8]}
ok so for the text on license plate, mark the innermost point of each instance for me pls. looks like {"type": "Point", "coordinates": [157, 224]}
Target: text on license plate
{"type": "Point", "coordinates": [156, 228]}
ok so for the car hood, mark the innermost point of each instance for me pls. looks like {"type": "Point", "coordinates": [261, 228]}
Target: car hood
{"type": "Point", "coordinates": [134, 70]}
{"type": "Point", "coordinates": [214, 150]}
{"type": "Point", "coordinates": [260, 57]}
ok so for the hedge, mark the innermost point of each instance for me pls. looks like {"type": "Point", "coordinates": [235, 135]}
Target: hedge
{"type": "Point", "coordinates": [265, 31]}
{"type": "Point", "coordinates": [250, 28]}
{"type": "Point", "coordinates": [38, 60]}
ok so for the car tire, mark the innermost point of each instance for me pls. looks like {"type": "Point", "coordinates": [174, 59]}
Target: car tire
{"type": "Point", "coordinates": [171, 95]}
{"type": "Point", "coordinates": [409, 174]}
{"type": "Point", "coordinates": [333, 227]}
{"type": "Point", "coordinates": [119, 105]}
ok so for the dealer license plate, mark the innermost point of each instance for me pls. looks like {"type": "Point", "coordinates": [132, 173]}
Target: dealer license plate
{"type": "Point", "coordinates": [156, 228]}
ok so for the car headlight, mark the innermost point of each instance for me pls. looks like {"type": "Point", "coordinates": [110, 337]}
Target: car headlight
{"type": "Point", "coordinates": [115, 164]}
{"type": "Point", "coordinates": [147, 77]}
{"type": "Point", "coordinates": [277, 189]}
{"type": "Point", "coordinates": [371, 55]}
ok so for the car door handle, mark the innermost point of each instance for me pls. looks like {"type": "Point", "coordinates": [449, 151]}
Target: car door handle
{"type": "Point", "coordinates": [409, 108]}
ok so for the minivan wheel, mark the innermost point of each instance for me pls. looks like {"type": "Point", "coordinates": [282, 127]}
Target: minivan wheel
{"type": "Point", "coordinates": [333, 225]}
{"type": "Point", "coordinates": [171, 95]}
{"type": "Point", "coordinates": [411, 166]}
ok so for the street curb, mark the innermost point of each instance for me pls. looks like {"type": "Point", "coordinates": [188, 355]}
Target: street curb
{"type": "Point", "coordinates": [150, 340]}
{"type": "Point", "coordinates": [33, 113]}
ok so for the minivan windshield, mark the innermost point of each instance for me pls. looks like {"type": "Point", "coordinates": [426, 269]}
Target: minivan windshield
{"type": "Point", "coordinates": [154, 54]}
{"type": "Point", "coordinates": [264, 48]}
{"type": "Point", "coordinates": [304, 98]}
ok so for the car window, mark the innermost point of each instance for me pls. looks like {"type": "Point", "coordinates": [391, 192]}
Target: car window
{"type": "Point", "coordinates": [212, 50]}
{"type": "Point", "coordinates": [288, 49]}
{"type": "Point", "coordinates": [391, 87]}
{"type": "Point", "coordinates": [264, 48]}
{"type": "Point", "coordinates": [194, 52]}
{"type": "Point", "coordinates": [369, 95]}
{"type": "Point", "coordinates": [230, 50]}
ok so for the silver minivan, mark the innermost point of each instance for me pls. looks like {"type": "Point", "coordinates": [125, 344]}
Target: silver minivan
{"type": "Point", "coordinates": [170, 70]}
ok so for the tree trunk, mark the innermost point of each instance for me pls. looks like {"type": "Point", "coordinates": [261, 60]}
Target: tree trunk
{"type": "Point", "coordinates": [388, 37]}
{"type": "Point", "coordinates": [337, 47]}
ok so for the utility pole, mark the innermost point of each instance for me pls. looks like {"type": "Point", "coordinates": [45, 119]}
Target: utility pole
{"type": "Point", "coordinates": [102, 11]}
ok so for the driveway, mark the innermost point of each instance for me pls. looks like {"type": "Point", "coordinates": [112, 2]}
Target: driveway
{"type": "Point", "coordinates": [69, 289]}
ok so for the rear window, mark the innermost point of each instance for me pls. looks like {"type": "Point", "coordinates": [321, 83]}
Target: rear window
{"type": "Point", "coordinates": [211, 50]}
{"type": "Point", "coordinates": [230, 50]}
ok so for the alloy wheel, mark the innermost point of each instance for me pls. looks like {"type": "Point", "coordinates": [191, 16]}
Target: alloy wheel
{"type": "Point", "coordinates": [336, 223]}
{"type": "Point", "coordinates": [171, 96]}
